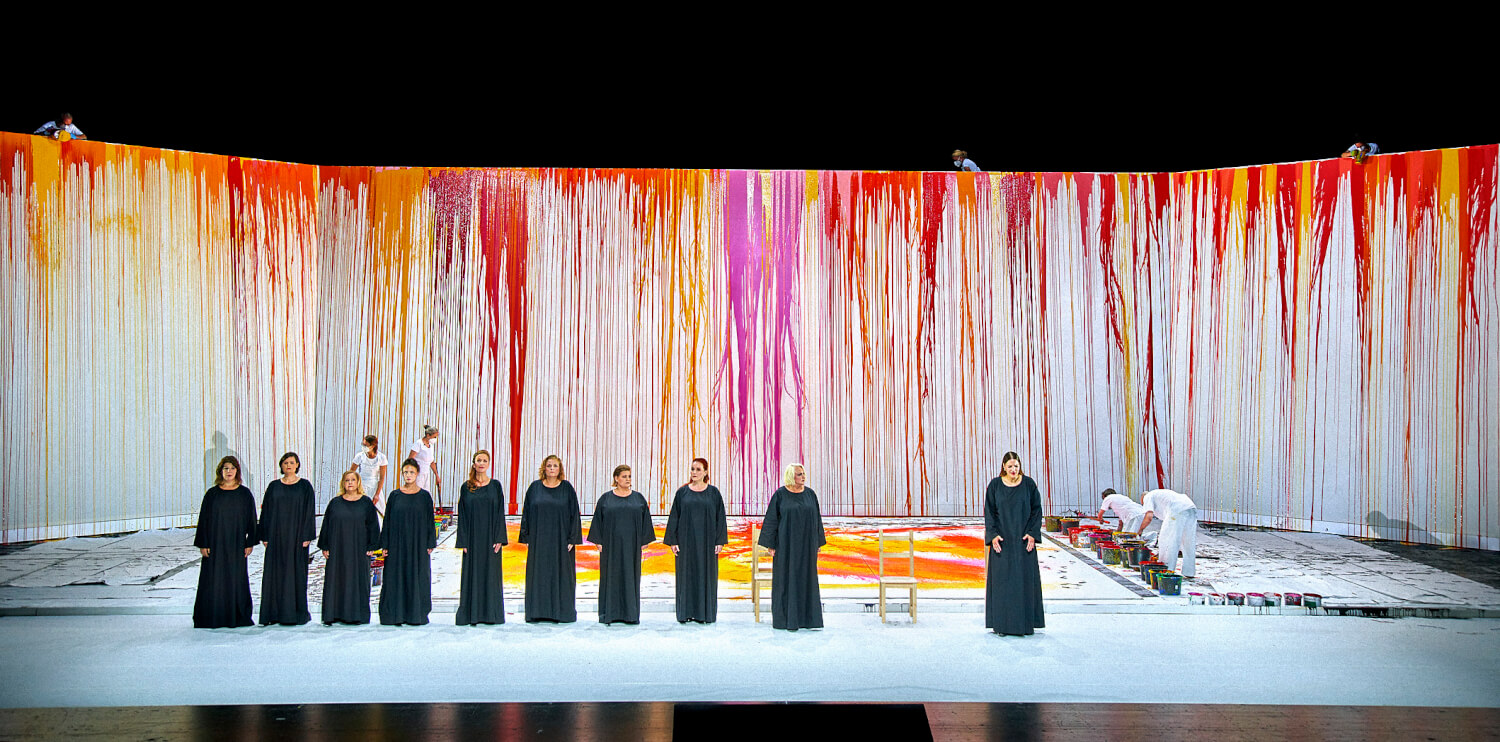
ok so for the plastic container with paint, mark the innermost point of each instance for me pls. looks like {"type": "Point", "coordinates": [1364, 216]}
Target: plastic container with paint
{"type": "Point", "coordinates": [1293, 598]}
{"type": "Point", "coordinates": [1255, 600]}
{"type": "Point", "coordinates": [1195, 599]}
{"type": "Point", "coordinates": [1052, 523]}
{"type": "Point", "coordinates": [1216, 599]}
{"type": "Point", "coordinates": [1273, 600]}
{"type": "Point", "coordinates": [1169, 583]}
{"type": "Point", "coordinates": [1312, 601]}
{"type": "Point", "coordinates": [1235, 598]}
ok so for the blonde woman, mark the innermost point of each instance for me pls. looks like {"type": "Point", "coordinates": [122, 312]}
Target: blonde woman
{"type": "Point", "coordinates": [793, 532]}
{"type": "Point", "coordinates": [351, 533]}
{"type": "Point", "coordinates": [551, 526]}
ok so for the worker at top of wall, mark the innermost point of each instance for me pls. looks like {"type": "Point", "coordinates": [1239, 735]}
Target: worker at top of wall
{"type": "Point", "coordinates": [1360, 150]}
{"type": "Point", "coordinates": [961, 161]}
{"type": "Point", "coordinates": [1127, 510]}
{"type": "Point", "coordinates": [1179, 527]}
{"type": "Point", "coordinates": [64, 123]}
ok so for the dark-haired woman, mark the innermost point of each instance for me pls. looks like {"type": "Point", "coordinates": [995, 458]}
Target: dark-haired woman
{"type": "Point", "coordinates": [621, 527]}
{"type": "Point", "coordinates": [697, 530]}
{"type": "Point", "coordinates": [225, 536]}
{"type": "Point", "coordinates": [481, 533]}
{"type": "Point", "coordinates": [287, 528]}
{"type": "Point", "coordinates": [408, 537]}
{"type": "Point", "coordinates": [551, 526]}
{"type": "Point", "coordinates": [1012, 526]}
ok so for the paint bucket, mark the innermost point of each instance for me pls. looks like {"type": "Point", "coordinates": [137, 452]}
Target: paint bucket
{"type": "Point", "coordinates": [1066, 524]}
{"type": "Point", "coordinates": [1311, 601]}
{"type": "Point", "coordinates": [1072, 534]}
{"type": "Point", "coordinates": [1152, 571]}
{"type": "Point", "coordinates": [1195, 599]}
{"type": "Point", "coordinates": [1255, 600]}
{"type": "Point", "coordinates": [1215, 599]}
{"type": "Point", "coordinates": [1111, 554]}
{"type": "Point", "coordinates": [1137, 553]}
{"type": "Point", "coordinates": [1169, 583]}
{"type": "Point", "coordinates": [1235, 598]}
{"type": "Point", "coordinates": [1273, 600]}
{"type": "Point", "coordinates": [1052, 523]}
{"type": "Point", "coordinates": [1293, 598]}
{"type": "Point", "coordinates": [1146, 566]}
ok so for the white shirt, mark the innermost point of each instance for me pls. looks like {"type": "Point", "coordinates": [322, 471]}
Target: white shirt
{"type": "Point", "coordinates": [967, 166]}
{"type": "Point", "coordinates": [51, 128]}
{"type": "Point", "coordinates": [369, 469]}
{"type": "Point", "coordinates": [1124, 507]}
{"type": "Point", "coordinates": [1164, 502]}
{"type": "Point", "coordinates": [425, 456]}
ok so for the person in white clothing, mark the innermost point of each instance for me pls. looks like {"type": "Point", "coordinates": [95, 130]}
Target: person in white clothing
{"type": "Point", "coordinates": [425, 453]}
{"type": "Point", "coordinates": [1179, 527]}
{"type": "Point", "coordinates": [371, 465]}
{"type": "Point", "coordinates": [1127, 510]}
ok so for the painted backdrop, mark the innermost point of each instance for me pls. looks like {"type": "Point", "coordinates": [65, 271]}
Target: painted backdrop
{"type": "Point", "coordinates": [1308, 345]}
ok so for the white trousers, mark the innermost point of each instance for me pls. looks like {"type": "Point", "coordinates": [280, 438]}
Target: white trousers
{"type": "Point", "coordinates": [1179, 532]}
{"type": "Point", "coordinates": [1133, 525]}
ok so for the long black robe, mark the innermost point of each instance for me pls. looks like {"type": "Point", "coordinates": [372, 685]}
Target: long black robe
{"type": "Point", "coordinates": [406, 583]}
{"type": "Point", "coordinates": [695, 526]}
{"type": "Point", "coordinates": [350, 529]}
{"type": "Point", "coordinates": [794, 528]}
{"type": "Point", "coordinates": [288, 517]}
{"type": "Point", "coordinates": [621, 527]}
{"type": "Point", "coordinates": [226, 527]}
{"type": "Point", "coordinates": [550, 520]}
{"type": "Point", "coordinates": [1013, 588]}
{"type": "Point", "coordinates": [481, 525]}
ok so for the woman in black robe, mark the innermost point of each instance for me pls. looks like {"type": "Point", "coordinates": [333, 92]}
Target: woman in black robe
{"type": "Point", "coordinates": [351, 533]}
{"type": "Point", "coordinates": [287, 527]}
{"type": "Point", "coordinates": [621, 527]}
{"type": "Point", "coordinates": [225, 536]}
{"type": "Point", "coordinates": [551, 526]}
{"type": "Point", "coordinates": [697, 530]}
{"type": "Point", "coordinates": [1012, 526]}
{"type": "Point", "coordinates": [793, 531]}
{"type": "Point", "coordinates": [408, 538]}
{"type": "Point", "coordinates": [481, 533]}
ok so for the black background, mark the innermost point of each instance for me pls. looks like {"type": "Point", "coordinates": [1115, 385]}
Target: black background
{"type": "Point", "coordinates": [794, 103]}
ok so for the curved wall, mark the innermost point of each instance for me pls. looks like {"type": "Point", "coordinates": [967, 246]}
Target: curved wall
{"type": "Point", "coordinates": [1308, 345]}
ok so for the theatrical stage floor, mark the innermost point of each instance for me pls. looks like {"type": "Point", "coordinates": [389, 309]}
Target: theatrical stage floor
{"type": "Point", "coordinates": [123, 636]}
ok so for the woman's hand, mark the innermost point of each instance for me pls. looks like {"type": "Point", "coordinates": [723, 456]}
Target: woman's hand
{"type": "Point", "coordinates": [770, 551]}
{"type": "Point", "coordinates": [995, 544]}
{"type": "Point", "coordinates": [325, 553]}
{"type": "Point", "coordinates": [497, 548]}
{"type": "Point", "coordinates": [1030, 542]}
{"type": "Point", "coordinates": [305, 544]}
{"type": "Point", "coordinates": [205, 552]}
{"type": "Point", "coordinates": [369, 553]}
{"type": "Point", "coordinates": [675, 550]}
{"type": "Point", "coordinates": [247, 550]}
{"type": "Point", "coordinates": [429, 552]}
{"type": "Point", "coordinates": [570, 547]}
{"type": "Point", "coordinates": [717, 547]}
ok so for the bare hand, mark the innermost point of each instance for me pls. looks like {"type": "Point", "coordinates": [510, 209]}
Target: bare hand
{"type": "Point", "coordinates": [305, 544]}
{"type": "Point", "coordinates": [1030, 542]}
{"type": "Point", "coordinates": [429, 551]}
{"type": "Point", "coordinates": [717, 548]}
{"type": "Point", "coordinates": [570, 547]}
{"type": "Point", "coordinates": [325, 553]}
{"type": "Point", "coordinates": [376, 500]}
{"type": "Point", "coordinates": [247, 550]}
{"type": "Point", "coordinates": [369, 553]}
{"type": "Point", "coordinates": [462, 550]}
{"type": "Point", "coordinates": [205, 552]}
{"type": "Point", "coordinates": [772, 552]}
{"type": "Point", "coordinates": [675, 549]}
{"type": "Point", "coordinates": [497, 548]}
{"type": "Point", "coordinates": [265, 543]}
{"type": "Point", "coordinates": [995, 544]}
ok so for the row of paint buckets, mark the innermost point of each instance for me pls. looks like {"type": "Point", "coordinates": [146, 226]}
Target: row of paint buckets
{"type": "Point", "coordinates": [377, 568]}
{"type": "Point", "coordinates": [1310, 601]}
{"type": "Point", "coordinates": [1124, 550]}
{"type": "Point", "coordinates": [442, 518]}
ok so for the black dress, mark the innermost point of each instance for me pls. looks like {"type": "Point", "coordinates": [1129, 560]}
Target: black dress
{"type": "Point", "coordinates": [349, 530]}
{"type": "Point", "coordinates": [695, 526]}
{"type": "Point", "coordinates": [621, 527]}
{"type": "Point", "coordinates": [481, 525]}
{"type": "Point", "coordinates": [226, 527]}
{"type": "Point", "coordinates": [549, 522]}
{"type": "Point", "coordinates": [794, 528]}
{"type": "Point", "coordinates": [406, 584]}
{"type": "Point", "coordinates": [1013, 588]}
{"type": "Point", "coordinates": [287, 519]}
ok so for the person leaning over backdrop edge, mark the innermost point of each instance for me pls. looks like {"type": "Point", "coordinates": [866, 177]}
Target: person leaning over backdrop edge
{"type": "Point", "coordinates": [962, 162]}
{"type": "Point", "coordinates": [61, 124]}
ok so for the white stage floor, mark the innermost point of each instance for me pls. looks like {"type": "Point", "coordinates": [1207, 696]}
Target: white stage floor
{"type": "Point", "coordinates": [1103, 658]}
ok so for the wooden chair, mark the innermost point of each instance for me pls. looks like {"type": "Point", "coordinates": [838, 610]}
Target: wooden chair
{"type": "Point", "coordinates": [759, 572]}
{"type": "Point", "coordinates": [899, 544]}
